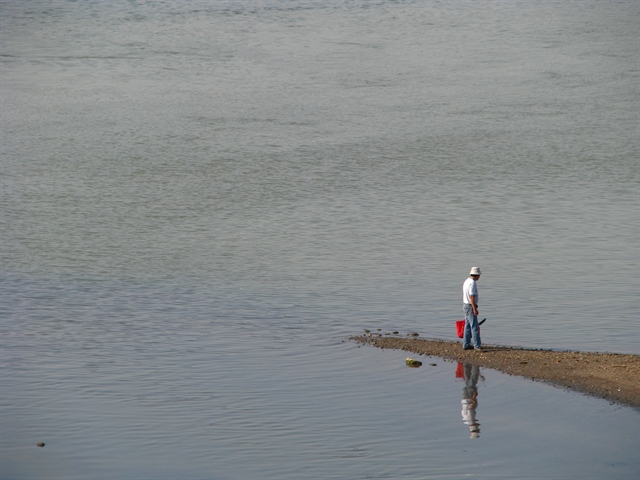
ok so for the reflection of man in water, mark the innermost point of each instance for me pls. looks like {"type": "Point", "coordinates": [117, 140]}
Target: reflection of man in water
{"type": "Point", "coordinates": [470, 399]}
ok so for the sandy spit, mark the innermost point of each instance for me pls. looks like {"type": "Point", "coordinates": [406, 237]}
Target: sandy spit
{"type": "Point", "coordinates": [615, 377]}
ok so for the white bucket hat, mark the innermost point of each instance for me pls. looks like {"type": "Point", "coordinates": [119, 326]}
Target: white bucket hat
{"type": "Point", "coordinates": [475, 271]}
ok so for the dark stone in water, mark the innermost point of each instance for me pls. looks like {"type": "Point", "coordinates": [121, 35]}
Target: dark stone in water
{"type": "Point", "coordinates": [433, 364]}
{"type": "Point", "coordinates": [395, 333]}
{"type": "Point", "coordinates": [366, 331]}
{"type": "Point", "coordinates": [414, 334]}
{"type": "Point", "coordinates": [413, 363]}
{"type": "Point", "coordinates": [40, 444]}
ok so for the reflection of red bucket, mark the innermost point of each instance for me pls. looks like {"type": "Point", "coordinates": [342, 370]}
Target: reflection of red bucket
{"type": "Point", "coordinates": [460, 371]}
{"type": "Point", "coordinates": [460, 328]}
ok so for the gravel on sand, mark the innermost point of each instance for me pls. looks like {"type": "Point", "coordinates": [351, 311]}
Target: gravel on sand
{"type": "Point", "coordinates": [613, 376]}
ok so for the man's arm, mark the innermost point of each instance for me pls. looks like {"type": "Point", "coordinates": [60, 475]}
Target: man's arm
{"type": "Point", "coordinates": [474, 307]}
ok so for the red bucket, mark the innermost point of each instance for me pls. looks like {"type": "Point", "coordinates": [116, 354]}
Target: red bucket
{"type": "Point", "coordinates": [460, 328]}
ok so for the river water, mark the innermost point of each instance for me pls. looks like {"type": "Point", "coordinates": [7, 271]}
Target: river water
{"type": "Point", "coordinates": [201, 200]}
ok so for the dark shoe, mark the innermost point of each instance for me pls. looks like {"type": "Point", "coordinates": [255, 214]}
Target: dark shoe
{"type": "Point", "coordinates": [467, 348]}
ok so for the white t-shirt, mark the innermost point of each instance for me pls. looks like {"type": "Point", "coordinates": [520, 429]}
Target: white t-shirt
{"type": "Point", "coordinates": [468, 414]}
{"type": "Point", "coordinates": [469, 288]}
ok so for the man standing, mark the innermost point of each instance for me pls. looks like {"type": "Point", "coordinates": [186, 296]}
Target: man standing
{"type": "Point", "coordinates": [470, 303]}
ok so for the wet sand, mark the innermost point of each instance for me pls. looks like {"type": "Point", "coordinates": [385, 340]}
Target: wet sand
{"type": "Point", "coordinates": [615, 377]}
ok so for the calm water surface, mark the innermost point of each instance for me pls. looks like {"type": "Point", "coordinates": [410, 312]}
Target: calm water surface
{"type": "Point", "coordinates": [202, 200]}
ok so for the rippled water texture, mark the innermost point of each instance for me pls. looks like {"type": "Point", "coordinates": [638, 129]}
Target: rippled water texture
{"type": "Point", "coordinates": [201, 200]}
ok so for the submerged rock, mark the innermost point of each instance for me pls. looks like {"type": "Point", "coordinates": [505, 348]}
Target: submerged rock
{"type": "Point", "coordinates": [40, 444]}
{"type": "Point", "coordinates": [413, 363]}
